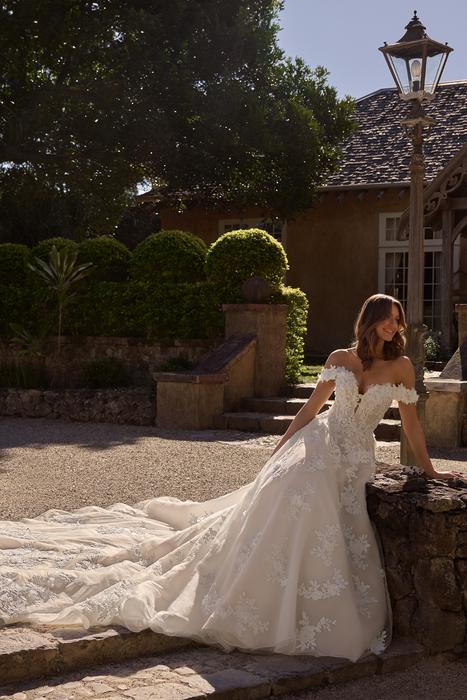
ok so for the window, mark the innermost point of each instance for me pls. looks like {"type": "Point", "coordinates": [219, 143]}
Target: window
{"type": "Point", "coordinates": [273, 226]}
{"type": "Point", "coordinates": [394, 262]}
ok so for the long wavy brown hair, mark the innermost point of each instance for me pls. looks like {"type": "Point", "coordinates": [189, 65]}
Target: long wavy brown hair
{"type": "Point", "coordinates": [375, 309]}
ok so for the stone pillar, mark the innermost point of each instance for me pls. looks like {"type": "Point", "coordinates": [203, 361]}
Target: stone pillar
{"type": "Point", "coordinates": [188, 401]}
{"type": "Point", "coordinates": [444, 412]}
{"type": "Point", "coordinates": [422, 526]}
{"type": "Point", "coordinates": [269, 323]}
{"type": "Point", "coordinates": [461, 310]}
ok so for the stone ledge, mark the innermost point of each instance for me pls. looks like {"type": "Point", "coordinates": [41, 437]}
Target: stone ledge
{"type": "Point", "coordinates": [454, 386]}
{"type": "Point", "coordinates": [27, 654]}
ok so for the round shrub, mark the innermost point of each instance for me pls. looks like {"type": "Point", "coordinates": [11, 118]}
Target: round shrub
{"type": "Point", "coordinates": [42, 249]}
{"type": "Point", "coordinates": [13, 263]}
{"type": "Point", "coordinates": [169, 256]}
{"type": "Point", "coordinates": [239, 255]}
{"type": "Point", "coordinates": [110, 258]}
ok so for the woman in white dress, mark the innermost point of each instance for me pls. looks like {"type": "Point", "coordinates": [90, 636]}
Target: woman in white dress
{"type": "Point", "coordinates": [288, 563]}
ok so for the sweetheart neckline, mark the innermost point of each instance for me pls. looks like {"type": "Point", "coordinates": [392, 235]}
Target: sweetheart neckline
{"type": "Point", "coordinates": [370, 386]}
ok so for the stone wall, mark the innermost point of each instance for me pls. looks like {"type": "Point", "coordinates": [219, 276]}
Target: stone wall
{"type": "Point", "coordinates": [130, 406]}
{"type": "Point", "coordinates": [140, 356]}
{"type": "Point", "coordinates": [423, 530]}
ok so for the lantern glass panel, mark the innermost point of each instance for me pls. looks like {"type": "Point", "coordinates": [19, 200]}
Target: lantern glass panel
{"type": "Point", "coordinates": [409, 73]}
{"type": "Point", "coordinates": [434, 68]}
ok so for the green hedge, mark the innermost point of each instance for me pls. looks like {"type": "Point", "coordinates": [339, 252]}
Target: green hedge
{"type": "Point", "coordinates": [168, 311]}
{"type": "Point", "coordinates": [13, 263]}
{"type": "Point", "coordinates": [153, 303]}
{"type": "Point", "coordinates": [169, 257]}
{"type": "Point", "coordinates": [297, 302]}
{"type": "Point", "coordinates": [239, 255]}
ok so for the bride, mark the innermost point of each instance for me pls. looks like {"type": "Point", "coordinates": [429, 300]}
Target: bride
{"type": "Point", "coordinates": [288, 563]}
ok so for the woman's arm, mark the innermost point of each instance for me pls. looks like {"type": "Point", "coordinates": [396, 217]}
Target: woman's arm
{"type": "Point", "coordinates": [413, 429]}
{"type": "Point", "coordinates": [320, 395]}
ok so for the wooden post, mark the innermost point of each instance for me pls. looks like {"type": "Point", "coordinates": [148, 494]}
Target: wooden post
{"type": "Point", "coordinates": [446, 283]}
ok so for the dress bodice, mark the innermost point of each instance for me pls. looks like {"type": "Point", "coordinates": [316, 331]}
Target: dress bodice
{"type": "Point", "coordinates": [353, 417]}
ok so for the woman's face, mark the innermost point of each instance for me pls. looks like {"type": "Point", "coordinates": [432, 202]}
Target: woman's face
{"type": "Point", "coordinates": [386, 329]}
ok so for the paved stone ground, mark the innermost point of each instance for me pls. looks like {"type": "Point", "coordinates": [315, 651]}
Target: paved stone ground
{"type": "Point", "coordinates": [54, 464]}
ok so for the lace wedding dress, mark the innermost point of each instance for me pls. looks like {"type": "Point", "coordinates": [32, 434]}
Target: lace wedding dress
{"type": "Point", "coordinates": [288, 563]}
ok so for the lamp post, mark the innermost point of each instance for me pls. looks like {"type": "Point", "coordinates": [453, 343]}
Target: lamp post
{"type": "Point", "coordinates": [416, 64]}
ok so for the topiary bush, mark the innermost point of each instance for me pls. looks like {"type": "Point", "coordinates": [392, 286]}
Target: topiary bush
{"type": "Point", "coordinates": [15, 306]}
{"type": "Point", "coordinates": [42, 249]}
{"type": "Point", "coordinates": [13, 263]}
{"type": "Point", "coordinates": [297, 302]}
{"type": "Point", "coordinates": [110, 258]}
{"type": "Point", "coordinates": [238, 255]}
{"type": "Point", "coordinates": [169, 256]}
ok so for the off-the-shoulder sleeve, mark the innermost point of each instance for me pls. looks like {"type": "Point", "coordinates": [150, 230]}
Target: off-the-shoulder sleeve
{"type": "Point", "coordinates": [328, 374]}
{"type": "Point", "coordinates": [405, 395]}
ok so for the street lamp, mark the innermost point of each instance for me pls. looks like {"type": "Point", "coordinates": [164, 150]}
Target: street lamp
{"type": "Point", "coordinates": [416, 64]}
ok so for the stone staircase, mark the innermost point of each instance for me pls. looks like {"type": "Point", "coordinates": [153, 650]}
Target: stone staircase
{"type": "Point", "coordinates": [273, 415]}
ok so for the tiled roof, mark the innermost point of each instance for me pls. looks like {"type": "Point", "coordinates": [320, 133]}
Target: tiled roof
{"type": "Point", "coordinates": [379, 151]}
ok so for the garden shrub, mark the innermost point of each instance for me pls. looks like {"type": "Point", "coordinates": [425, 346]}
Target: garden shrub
{"type": "Point", "coordinates": [107, 373]}
{"type": "Point", "coordinates": [14, 307]}
{"type": "Point", "coordinates": [432, 347]}
{"type": "Point", "coordinates": [13, 263]}
{"type": "Point", "coordinates": [100, 308]}
{"type": "Point", "coordinates": [169, 256]}
{"type": "Point", "coordinates": [109, 257]}
{"type": "Point", "coordinates": [297, 302]}
{"type": "Point", "coordinates": [238, 255]}
{"type": "Point", "coordinates": [168, 311]}
{"type": "Point", "coordinates": [23, 375]}
{"type": "Point", "coordinates": [42, 249]}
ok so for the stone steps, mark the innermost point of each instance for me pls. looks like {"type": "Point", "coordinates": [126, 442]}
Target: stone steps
{"type": "Point", "coordinates": [254, 422]}
{"type": "Point", "coordinates": [274, 414]}
{"type": "Point", "coordinates": [88, 664]}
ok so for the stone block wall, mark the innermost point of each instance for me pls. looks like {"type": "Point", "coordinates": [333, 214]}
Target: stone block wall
{"type": "Point", "coordinates": [140, 356]}
{"type": "Point", "coordinates": [125, 406]}
{"type": "Point", "coordinates": [422, 526]}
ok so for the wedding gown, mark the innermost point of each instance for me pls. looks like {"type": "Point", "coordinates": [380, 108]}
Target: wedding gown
{"type": "Point", "coordinates": [288, 563]}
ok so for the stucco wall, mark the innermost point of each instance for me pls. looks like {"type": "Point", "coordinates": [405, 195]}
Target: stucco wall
{"type": "Point", "coordinates": [333, 256]}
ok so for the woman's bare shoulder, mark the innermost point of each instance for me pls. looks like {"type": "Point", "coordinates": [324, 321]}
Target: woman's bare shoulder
{"type": "Point", "coordinates": [404, 370]}
{"type": "Point", "coordinates": [340, 358]}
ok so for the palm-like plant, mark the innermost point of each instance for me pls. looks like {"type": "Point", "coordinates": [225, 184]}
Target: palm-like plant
{"type": "Point", "coordinates": [61, 274]}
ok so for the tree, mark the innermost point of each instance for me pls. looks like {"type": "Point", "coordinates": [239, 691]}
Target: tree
{"type": "Point", "coordinates": [191, 95]}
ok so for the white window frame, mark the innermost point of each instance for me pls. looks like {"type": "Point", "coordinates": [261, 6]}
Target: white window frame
{"type": "Point", "coordinates": [385, 246]}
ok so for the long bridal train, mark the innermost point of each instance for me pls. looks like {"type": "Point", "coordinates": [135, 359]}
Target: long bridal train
{"type": "Point", "coordinates": [288, 563]}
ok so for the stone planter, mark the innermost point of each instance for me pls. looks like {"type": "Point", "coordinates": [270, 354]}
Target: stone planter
{"type": "Point", "coordinates": [423, 530]}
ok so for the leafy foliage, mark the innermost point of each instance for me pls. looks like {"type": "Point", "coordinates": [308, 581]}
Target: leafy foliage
{"type": "Point", "coordinates": [43, 249]}
{"type": "Point", "coordinates": [105, 373]}
{"type": "Point", "coordinates": [109, 257]}
{"type": "Point", "coordinates": [296, 328]}
{"type": "Point", "coordinates": [60, 275]}
{"type": "Point", "coordinates": [13, 263]}
{"type": "Point", "coordinates": [169, 256]}
{"type": "Point", "coordinates": [239, 255]}
{"type": "Point", "coordinates": [432, 347]}
{"type": "Point", "coordinates": [195, 96]}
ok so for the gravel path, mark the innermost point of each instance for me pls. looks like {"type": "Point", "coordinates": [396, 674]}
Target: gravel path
{"type": "Point", "coordinates": [55, 464]}
{"type": "Point", "coordinates": [430, 680]}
